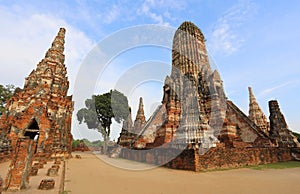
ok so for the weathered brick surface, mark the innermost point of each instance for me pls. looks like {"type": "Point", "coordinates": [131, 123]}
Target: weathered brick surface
{"type": "Point", "coordinates": [20, 167]}
{"type": "Point", "coordinates": [279, 131]}
{"type": "Point", "coordinates": [256, 114]}
{"type": "Point", "coordinates": [220, 158]}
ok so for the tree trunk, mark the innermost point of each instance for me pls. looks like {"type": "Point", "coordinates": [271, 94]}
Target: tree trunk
{"type": "Point", "coordinates": [105, 144]}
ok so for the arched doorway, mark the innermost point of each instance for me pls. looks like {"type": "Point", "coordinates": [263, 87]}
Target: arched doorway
{"type": "Point", "coordinates": [33, 130]}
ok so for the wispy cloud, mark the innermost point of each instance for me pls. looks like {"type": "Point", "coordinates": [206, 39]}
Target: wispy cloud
{"type": "Point", "coordinates": [112, 14]}
{"type": "Point", "coordinates": [224, 37]}
{"type": "Point", "coordinates": [158, 11]}
{"type": "Point", "coordinates": [272, 89]}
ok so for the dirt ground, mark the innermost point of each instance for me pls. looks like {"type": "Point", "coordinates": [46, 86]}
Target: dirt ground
{"type": "Point", "coordinates": [91, 174]}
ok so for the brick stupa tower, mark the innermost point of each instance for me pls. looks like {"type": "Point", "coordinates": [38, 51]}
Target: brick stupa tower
{"type": "Point", "coordinates": [256, 114]}
{"type": "Point", "coordinates": [193, 94]}
{"type": "Point", "coordinates": [42, 111]}
{"type": "Point", "coordinates": [279, 130]}
{"type": "Point", "coordinates": [140, 119]}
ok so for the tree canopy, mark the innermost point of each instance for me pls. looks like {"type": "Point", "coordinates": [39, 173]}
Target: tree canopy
{"type": "Point", "coordinates": [100, 109]}
{"type": "Point", "coordinates": [5, 93]}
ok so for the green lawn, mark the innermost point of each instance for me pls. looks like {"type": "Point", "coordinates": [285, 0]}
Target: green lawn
{"type": "Point", "coordinates": [280, 165]}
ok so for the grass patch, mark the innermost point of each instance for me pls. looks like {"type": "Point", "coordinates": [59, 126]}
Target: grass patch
{"type": "Point", "coordinates": [66, 192]}
{"type": "Point", "coordinates": [279, 165]}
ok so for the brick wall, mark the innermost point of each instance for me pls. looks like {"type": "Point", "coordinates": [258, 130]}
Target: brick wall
{"type": "Point", "coordinates": [222, 158]}
{"type": "Point", "coordinates": [215, 158]}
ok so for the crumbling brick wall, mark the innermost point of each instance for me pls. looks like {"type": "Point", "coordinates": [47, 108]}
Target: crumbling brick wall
{"type": "Point", "coordinates": [222, 158]}
{"type": "Point", "coordinates": [20, 167]}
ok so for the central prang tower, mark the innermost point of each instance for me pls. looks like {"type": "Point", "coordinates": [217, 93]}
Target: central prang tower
{"type": "Point", "coordinates": [193, 94]}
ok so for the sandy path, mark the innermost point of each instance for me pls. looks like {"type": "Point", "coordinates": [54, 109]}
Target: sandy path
{"type": "Point", "coordinates": [91, 175]}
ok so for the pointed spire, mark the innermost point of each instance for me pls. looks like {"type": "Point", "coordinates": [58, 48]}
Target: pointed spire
{"type": "Point", "coordinates": [140, 113]}
{"type": "Point", "coordinates": [51, 70]}
{"type": "Point", "coordinates": [251, 96]}
{"type": "Point", "coordinates": [256, 114]}
{"type": "Point", "coordinates": [57, 47]}
{"type": "Point", "coordinates": [140, 119]}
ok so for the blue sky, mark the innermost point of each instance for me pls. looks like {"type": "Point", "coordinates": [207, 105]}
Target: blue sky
{"type": "Point", "coordinates": [252, 43]}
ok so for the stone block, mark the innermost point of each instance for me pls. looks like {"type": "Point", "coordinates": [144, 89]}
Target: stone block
{"type": "Point", "coordinates": [34, 171]}
{"type": "Point", "coordinates": [55, 166]}
{"type": "Point", "coordinates": [52, 172]}
{"type": "Point", "coordinates": [47, 184]}
{"type": "Point", "coordinates": [41, 165]}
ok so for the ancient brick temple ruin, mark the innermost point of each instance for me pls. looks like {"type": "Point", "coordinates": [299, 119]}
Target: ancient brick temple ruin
{"type": "Point", "coordinates": [37, 120]}
{"type": "Point", "coordinates": [196, 127]}
{"type": "Point", "coordinates": [42, 110]}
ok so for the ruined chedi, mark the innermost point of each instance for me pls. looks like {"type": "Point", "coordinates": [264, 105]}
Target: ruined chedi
{"type": "Point", "coordinates": [279, 131]}
{"type": "Point", "coordinates": [140, 119]}
{"type": "Point", "coordinates": [38, 117]}
{"type": "Point", "coordinates": [256, 114]}
{"type": "Point", "coordinates": [42, 110]}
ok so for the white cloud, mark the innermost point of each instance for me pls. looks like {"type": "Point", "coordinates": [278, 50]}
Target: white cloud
{"type": "Point", "coordinates": [224, 37]}
{"type": "Point", "coordinates": [25, 38]}
{"type": "Point", "coordinates": [112, 14]}
{"type": "Point", "coordinates": [149, 5]}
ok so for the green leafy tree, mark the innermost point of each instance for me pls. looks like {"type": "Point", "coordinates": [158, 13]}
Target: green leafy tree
{"type": "Point", "coordinates": [5, 93]}
{"type": "Point", "coordinates": [100, 110]}
{"type": "Point", "coordinates": [75, 143]}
